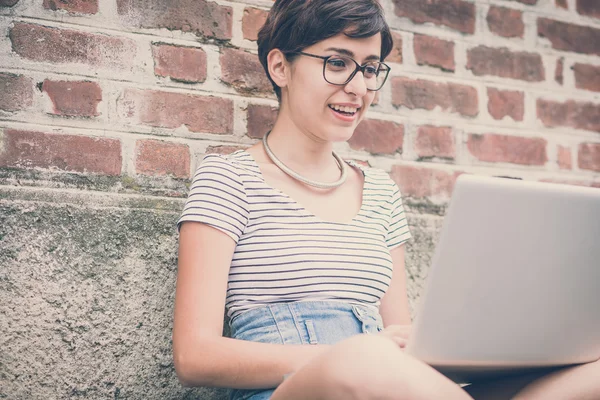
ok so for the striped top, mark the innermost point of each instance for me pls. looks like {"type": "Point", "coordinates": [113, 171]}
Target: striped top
{"type": "Point", "coordinates": [285, 253]}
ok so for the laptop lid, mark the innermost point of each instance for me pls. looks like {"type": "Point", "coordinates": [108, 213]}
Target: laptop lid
{"type": "Point", "coordinates": [515, 279]}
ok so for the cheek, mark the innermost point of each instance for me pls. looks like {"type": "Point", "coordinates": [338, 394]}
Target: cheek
{"type": "Point", "coordinates": [314, 99]}
{"type": "Point", "coordinates": [369, 99]}
{"type": "Point", "coordinates": [311, 91]}
{"type": "Point", "coordinates": [308, 107]}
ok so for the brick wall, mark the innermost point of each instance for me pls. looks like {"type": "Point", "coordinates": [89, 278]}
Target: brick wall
{"type": "Point", "coordinates": [108, 106]}
{"type": "Point", "coordinates": [144, 89]}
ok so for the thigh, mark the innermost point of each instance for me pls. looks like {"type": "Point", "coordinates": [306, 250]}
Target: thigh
{"type": "Point", "coordinates": [367, 367]}
{"type": "Point", "coordinates": [571, 382]}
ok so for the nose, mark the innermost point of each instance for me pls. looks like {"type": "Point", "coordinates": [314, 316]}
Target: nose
{"type": "Point", "coordinates": [357, 85]}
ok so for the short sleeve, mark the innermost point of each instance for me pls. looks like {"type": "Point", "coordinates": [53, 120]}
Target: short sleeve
{"type": "Point", "coordinates": [398, 231]}
{"type": "Point", "coordinates": [217, 197]}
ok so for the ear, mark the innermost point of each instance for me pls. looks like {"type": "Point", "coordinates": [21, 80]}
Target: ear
{"type": "Point", "coordinates": [278, 67]}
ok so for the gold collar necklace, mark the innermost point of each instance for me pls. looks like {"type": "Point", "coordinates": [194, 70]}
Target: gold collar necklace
{"type": "Point", "coordinates": [297, 176]}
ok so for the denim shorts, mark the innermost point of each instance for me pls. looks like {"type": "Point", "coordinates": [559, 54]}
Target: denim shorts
{"type": "Point", "coordinates": [303, 322]}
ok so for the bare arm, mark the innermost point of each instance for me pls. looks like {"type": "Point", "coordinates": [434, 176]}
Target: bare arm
{"type": "Point", "coordinates": [202, 356]}
{"type": "Point", "coordinates": [394, 308]}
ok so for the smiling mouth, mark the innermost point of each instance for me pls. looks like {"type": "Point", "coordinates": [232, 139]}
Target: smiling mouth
{"type": "Point", "coordinates": [344, 110]}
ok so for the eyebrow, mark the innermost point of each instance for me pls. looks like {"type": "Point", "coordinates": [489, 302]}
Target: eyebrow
{"type": "Point", "coordinates": [351, 54]}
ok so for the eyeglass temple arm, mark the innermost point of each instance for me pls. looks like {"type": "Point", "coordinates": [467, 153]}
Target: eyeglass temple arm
{"type": "Point", "coordinates": [312, 55]}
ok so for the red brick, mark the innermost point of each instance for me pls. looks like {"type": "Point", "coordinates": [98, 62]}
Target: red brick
{"type": "Point", "coordinates": [185, 64]}
{"type": "Point", "coordinates": [260, 120]}
{"type": "Point", "coordinates": [421, 182]}
{"type": "Point", "coordinates": [43, 44]}
{"type": "Point", "coordinates": [564, 158]}
{"type": "Point", "coordinates": [73, 6]}
{"type": "Point", "coordinates": [252, 21]}
{"type": "Point", "coordinates": [428, 95]}
{"type": "Point", "coordinates": [435, 141]}
{"type": "Point", "coordinates": [172, 110]}
{"type": "Point", "coordinates": [16, 92]}
{"type": "Point", "coordinates": [569, 37]}
{"type": "Point", "coordinates": [456, 14]}
{"type": "Point", "coordinates": [25, 149]}
{"type": "Point", "coordinates": [378, 137]}
{"type": "Point", "coordinates": [508, 149]}
{"type": "Point", "coordinates": [73, 99]}
{"type": "Point", "coordinates": [155, 157]}
{"type": "Point", "coordinates": [226, 149]}
{"type": "Point", "coordinates": [396, 55]}
{"type": "Point", "coordinates": [587, 77]}
{"type": "Point", "coordinates": [502, 62]}
{"type": "Point", "coordinates": [558, 71]}
{"type": "Point", "coordinates": [205, 19]}
{"type": "Point", "coordinates": [506, 102]}
{"type": "Point", "coordinates": [571, 113]}
{"type": "Point", "coordinates": [506, 22]}
{"type": "Point", "coordinates": [435, 52]}
{"type": "Point", "coordinates": [589, 156]}
{"type": "Point", "coordinates": [591, 8]}
{"type": "Point", "coordinates": [562, 4]}
{"type": "Point", "coordinates": [244, 72]}
{"type": "Point", "coordinates": [8, 3]}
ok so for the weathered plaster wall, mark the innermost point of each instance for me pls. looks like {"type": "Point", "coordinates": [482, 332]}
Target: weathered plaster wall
{"type": "Point", "coordinates": [86, 293]}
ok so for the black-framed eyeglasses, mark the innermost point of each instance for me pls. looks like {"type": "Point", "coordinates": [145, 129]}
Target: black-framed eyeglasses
{"type": "Point", "coordinates": [339, 70]}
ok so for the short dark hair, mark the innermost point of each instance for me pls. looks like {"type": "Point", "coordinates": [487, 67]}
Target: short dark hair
{"type": "Point", "coordinates": [293, 25]}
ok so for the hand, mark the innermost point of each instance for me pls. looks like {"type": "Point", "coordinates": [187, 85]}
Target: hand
{"type": "Point", "coordinates": [398, 333]}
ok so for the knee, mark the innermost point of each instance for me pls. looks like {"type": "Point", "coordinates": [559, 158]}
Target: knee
{"type": "Point", "coordinates": [370, 367]}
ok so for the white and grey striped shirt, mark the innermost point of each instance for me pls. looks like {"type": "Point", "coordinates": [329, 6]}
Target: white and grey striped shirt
{"type": "Point", "coordinates": [284, 253]}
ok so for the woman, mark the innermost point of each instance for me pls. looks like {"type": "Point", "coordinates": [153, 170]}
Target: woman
{"type": "Point", "coordinates": [303, 250]}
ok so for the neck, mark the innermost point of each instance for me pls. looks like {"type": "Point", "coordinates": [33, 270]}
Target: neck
{"type": "Point", "coordinates": [301, 150]}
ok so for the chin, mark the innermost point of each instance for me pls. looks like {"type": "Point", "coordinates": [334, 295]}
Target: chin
{"type": "Point", "coordinates": [338, 131]}
{"type": "Point", "coordinates": [340, 134]}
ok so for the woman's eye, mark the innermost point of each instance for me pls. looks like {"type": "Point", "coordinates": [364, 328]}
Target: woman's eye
{"type": "Point", "coordinates": [371, 70]}
{"type": "Point", "coordinates": [337, 63]}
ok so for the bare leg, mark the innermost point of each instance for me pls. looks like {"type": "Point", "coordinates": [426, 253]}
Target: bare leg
{"type": "Point", "coordinates": [577, 383]}
{"type": "Point", "coordinates": [367, 367]}
{"type": "Point", "coordinates": [581, 382]}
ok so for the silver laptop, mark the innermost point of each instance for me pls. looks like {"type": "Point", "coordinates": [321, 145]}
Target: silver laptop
{"type": "Point", "coordinates": [515, 281]}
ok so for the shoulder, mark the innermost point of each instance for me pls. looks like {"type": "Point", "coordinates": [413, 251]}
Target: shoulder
{"type": "Point", "coordinates": [378, 178]}
{"type": "Point", "coordinates": [238, 163]}
{"type": "Point", "coordinates": [220, 173]}
{"type": "Point", "coordinates": [223, 161]}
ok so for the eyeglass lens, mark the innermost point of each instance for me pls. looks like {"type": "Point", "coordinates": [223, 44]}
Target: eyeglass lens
{"type": "Point", "coordinates": [339, 69]}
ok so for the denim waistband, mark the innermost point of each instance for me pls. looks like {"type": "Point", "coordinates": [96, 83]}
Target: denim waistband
{"type": "Point", "coordinates": [306, 322]}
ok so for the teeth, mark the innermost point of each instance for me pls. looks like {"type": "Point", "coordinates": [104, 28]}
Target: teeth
{"type": "Point", "coordinates": [344, 108]}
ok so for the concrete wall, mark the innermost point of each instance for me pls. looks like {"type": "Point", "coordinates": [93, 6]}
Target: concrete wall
{"type": "Point", "coordinates": [107, 107]}
{"type": "Point", "coordinates": [87, 286]}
